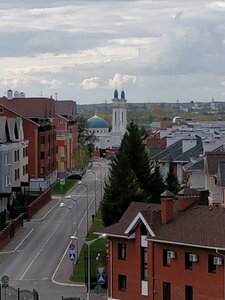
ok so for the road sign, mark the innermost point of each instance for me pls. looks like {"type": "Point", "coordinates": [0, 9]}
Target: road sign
{"type": "Point", "coordinates": [5, 279]}
{"type": "Point", "coordinates": [100, 279]}
{"type": "Point", "coordinates": [72, 256]}
{"type": "Point", "coordinates": [72, 246]}
{"type": "Point", "coordinates": [62, 181]}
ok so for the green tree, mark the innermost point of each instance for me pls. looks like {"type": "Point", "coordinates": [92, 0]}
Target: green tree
{"type": "Point", "coordinates": [121, 189]}
{"type": "Point", "coordinates": [139, 158]}
{"type": "Point", "coordinates": [172, 183]}
{"type": "Point", "coordinates": [130, 177]}
{"type": "Point", "coordinates": [158, 185]}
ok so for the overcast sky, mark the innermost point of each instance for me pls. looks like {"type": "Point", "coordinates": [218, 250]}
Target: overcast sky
{"type": "Point", "coordinates": [158, 51]}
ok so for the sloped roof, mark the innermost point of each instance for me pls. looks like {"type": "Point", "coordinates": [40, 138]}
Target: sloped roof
{"type": "Point", "coordinates": [66, 108]}
{"type": "Point", "coordinates": [199, 225]}
{"type": "Point", "coordinates": [195, 165]}
{"type": "Point", "coordinates": [31, 107]}
{"type": "Point", "coordinates": [170, 152]}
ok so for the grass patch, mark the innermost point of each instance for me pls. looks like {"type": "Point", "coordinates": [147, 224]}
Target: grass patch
{"type": "Point", "coordinates": [59, 189]}
{"type": "Point", "coordinates": [97, 247]}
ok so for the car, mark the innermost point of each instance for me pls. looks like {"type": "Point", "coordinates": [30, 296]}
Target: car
{"type": "Point", "coordinates": [75, 176]}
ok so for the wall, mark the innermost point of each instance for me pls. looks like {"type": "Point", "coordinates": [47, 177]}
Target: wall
{"type": "Point", "coordinates": [205, 285]}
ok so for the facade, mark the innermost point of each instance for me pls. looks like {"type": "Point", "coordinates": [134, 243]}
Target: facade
{"type": "Point", "coordinates": [66, 135]}
{"type": "Point", "coordinates": [103, 137]}
{"type": "Point", "coordinates": [37, 115]}
{"type": "Point", "coordinates": [170, 251]}
{"type": "Point", "coordinates": [13, 159]}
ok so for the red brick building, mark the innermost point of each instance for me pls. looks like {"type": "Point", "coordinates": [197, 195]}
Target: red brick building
{"type": "Point", "coordinates": [37, 114]}
{"type": "Point", "coordinates": [171, 251]}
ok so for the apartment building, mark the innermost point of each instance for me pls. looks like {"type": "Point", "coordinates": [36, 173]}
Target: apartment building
{"type": "Point", "coordinates": [170, 251]}
{"type": "Point", "coordinates": [37, 115]}
{"type": "Point", "coordinates": [13, 159]}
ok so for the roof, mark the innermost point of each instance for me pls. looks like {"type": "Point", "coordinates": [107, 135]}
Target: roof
{"type": "Point", "coordinates": [175, 152]}
{"type": "Point", "coordinates": [66, 108]}
{"type": "Point", "coordinates": [97, 122]}
{"type": "Point", "coordinates": [198, 164]}
{"type": "Point", "coordinates": [197, 226]}
{"type": "Point", "coordinates": [31, 107]}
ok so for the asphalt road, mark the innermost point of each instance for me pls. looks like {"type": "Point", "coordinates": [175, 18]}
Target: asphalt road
{"type": "Point", "coordinates": [38, 258]}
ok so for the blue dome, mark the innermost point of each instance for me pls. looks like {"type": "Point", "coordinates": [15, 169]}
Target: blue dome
{"type": "Point", "coordinates": [97, 122]}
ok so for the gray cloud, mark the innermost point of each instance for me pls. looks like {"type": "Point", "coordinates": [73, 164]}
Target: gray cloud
{"type": "Point", "coordinates": [79, 48]}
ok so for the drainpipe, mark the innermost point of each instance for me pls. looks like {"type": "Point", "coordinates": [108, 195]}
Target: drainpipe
{"type": "Point", "coordinates": [217, 251]}
{"type": "Point", "coordinates": [111, 265]}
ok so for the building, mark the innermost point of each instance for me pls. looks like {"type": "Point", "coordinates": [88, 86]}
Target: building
{"type": "Point", "coordinates": [170, 251]}
{"type": "Point", "coordinates": [103, 137]}
{"type": "Point", "coordinates": [13, 159]}
{"type": "Point", "coordinates": [66, 126]}
{"type": "Point", "coordinates": [37, 115]}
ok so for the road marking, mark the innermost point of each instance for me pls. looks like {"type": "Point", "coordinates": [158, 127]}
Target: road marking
{"type": "Point", "coordinates": [11, 251]}
{"type": "Point", "coordinates": [48, 212]}
{"type": "Point", "coordinates": [24, 273]}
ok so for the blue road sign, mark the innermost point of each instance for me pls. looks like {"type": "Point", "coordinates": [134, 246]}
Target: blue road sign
{"type": "Point", "coordinates": [101, 279]}
{"type": "Point", "coordinates": [72, 256]}
{"type": "Point", "coordinates": [72, 246]}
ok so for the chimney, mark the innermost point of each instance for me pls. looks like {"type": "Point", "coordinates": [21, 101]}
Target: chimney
{"type": "Point", "coordinates": [167, 207]}
{"type": "Point", "coordinates": [187, 197]}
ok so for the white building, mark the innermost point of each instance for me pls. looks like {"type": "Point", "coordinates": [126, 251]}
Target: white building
{"type": "Point", "coordinates": [103, 137]}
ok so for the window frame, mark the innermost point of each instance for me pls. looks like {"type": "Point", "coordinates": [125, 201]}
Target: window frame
{"type": "Point", "coordinates": [122, 251]}
{"type": "Point", "coordinates": [122, 282]}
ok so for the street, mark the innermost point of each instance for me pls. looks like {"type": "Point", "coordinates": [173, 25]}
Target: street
{"type": "Point", "coordinates": [37, 258]}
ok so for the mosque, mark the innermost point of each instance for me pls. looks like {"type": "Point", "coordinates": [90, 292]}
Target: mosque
{"type": "Point", "coordinates": [103, 137]}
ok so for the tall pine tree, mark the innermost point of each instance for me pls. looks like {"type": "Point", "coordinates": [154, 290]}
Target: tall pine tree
{"type": "Point", "coordinates": [121, 189]}
{"type": "Point", "coordinates": [172, 183]}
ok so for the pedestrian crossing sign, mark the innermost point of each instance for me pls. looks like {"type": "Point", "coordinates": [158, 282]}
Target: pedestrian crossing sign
{"type": "Point", "coordinates": [101, 279]}
{"type": "Point", "coordinates": [72, 256]}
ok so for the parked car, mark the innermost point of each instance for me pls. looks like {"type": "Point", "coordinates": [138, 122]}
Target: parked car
{"type": "Point", "coordinates": [75, 176]}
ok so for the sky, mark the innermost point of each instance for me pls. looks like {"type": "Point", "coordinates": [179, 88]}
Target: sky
{"type": "Point", "coordinates": [156, 50]}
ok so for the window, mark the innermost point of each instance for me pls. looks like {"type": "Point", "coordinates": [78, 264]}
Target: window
{"type": "Point", "coordinates": [144, 263]}
{"type": "Point", "coordinates": [16, 155]}
{"type": "Point", "coordinates": [7, 180]}
{"type": "Point", "coordinates": [17, 174]}
{"type": "Point", "coordinates": [42, 155]}
{"type": "Point", "coordinates": [211, 265]}
{"type": "Point", "coordinates": [122, 282]}
{"type": "Point", "coordinates": [166, 291]}
{"type": "Point", "coordinates": [188, 263]}
{"type": "Point", "coordinates": [42, 139]}
{"type": "Point", "coordinates": [166, 261]}
{"type": "Point", "coordinates": [188, 292]}
{"type": "Point", "coordinates": [1, 110]}
{"type": "Point", "coordinates": [122, 251]}
{"type": "Point", "coordinates": [42, 170]}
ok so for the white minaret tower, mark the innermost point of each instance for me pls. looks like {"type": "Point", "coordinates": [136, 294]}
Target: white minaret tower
{"type": "Point", "coordinates": [119, 113]}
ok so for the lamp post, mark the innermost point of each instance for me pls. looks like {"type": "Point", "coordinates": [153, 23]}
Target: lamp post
{"type": "Point", "coordinates": [93, 172]}
{"type": "Point", "coordinates": [86, 186]}
{"type": "Point", "coordinates": [77, 228]}
{"type": "Point", "coordinates": [98, 165]}
{"type": "Point", "coordinates": [89, 243]}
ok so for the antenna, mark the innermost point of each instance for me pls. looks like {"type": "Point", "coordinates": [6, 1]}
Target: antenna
{"type": "Point", "coordinates": [56, 96]}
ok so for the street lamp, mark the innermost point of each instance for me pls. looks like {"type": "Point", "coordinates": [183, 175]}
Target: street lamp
{"type": "Point", "coordinates": [77, 228]}
{"type": "Point", "coordinates": [89, 243]}
{"type": "Point", "coordinates": [93, 172]}
{"type": "Point", "coordinates": [98, 165]}
{"type": "Point", "coordinates": [63, 205]}
{"type": "Point", "coordinates": [86, 186]}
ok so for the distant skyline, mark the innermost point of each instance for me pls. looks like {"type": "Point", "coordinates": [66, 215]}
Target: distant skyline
{"type": "Point", "coordinates": [157, 50]}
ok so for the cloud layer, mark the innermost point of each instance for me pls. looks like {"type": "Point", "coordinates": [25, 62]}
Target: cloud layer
{"type": "Point", "coordinates": [156, 50]}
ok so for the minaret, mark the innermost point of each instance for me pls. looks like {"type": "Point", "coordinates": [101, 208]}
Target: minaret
{"type": "Point", "coordinates": [119, 113]}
